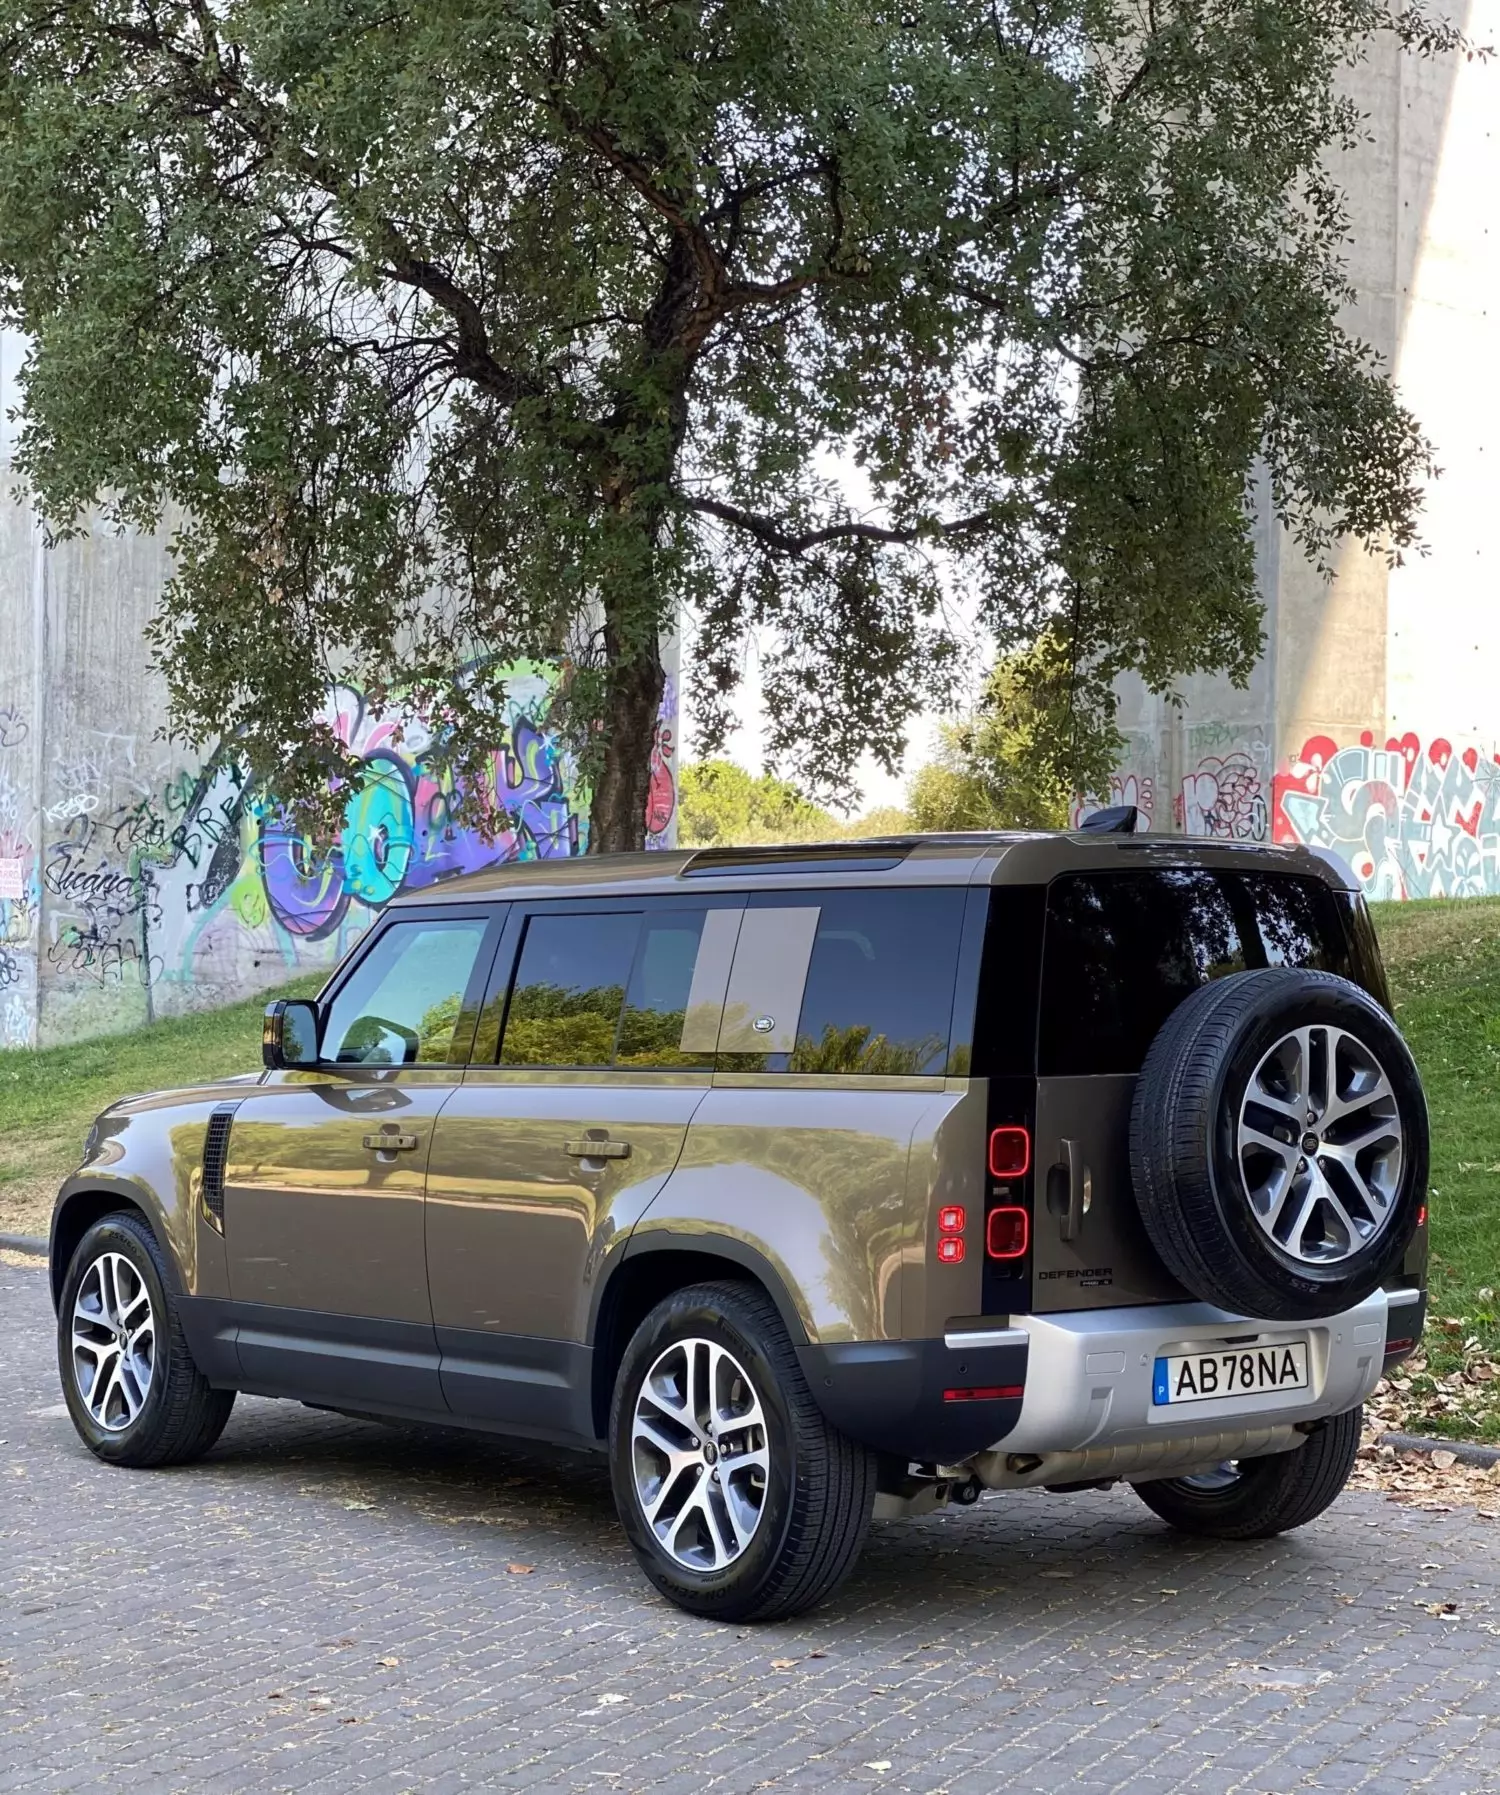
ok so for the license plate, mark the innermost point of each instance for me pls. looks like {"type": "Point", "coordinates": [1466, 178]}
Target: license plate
{"type": "Point", "coordinates": [1248, 1371]}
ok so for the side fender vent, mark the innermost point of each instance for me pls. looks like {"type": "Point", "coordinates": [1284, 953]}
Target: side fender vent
{"type": "Point", "coordinates": [215, 1159]}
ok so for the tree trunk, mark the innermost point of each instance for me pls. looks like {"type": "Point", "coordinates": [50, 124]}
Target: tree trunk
{"type": "Point", "coordinates": [617, 821]}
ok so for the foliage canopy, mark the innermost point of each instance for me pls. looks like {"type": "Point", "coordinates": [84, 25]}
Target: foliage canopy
{"type": "Point", "coordinates": [1040, 732]}
{"type": "Point", "coordinates": [458, 332]}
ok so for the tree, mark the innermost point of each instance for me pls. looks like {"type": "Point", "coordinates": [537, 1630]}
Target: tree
{"type": "Point", "coordinates": [459, 333]}
{"type": "Point", "coordinates": [1042, 729]}
{"type": "Point", "coordinates": [720, 804]}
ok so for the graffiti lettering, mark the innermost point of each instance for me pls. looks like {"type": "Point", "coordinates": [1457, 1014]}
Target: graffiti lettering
{"type": "Point", "coordinates": [14, 728]}
{"type": "Point", "coordinates": [1223, 798]}
{"type": "Point", "coordinates": [1124, 788]}
{"type": "Point", "coordinates": [1411, 821]}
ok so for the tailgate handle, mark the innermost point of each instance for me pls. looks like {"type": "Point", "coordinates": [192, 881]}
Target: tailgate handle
{"type": "Point", "coordinates": [600, 1149]}
{"type": "Point", "coordinates": [1080, 1193]}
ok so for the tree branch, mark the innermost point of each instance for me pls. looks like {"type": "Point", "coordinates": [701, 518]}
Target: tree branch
{"type": "Point", "coordinates": [765, 530]}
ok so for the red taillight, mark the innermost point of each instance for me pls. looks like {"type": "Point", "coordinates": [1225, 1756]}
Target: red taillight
{"type": "Point", "coordinates": [1422, 1216]}
{"type": "Point", "coordinates": [987, 1393]}
{"type": "Point", "coordinates": [1392, 1347]}
{"type": "Point", "coordinates": [950, 1249]}
{"type": "Point", "coordinates": [951, 1220]}
{"type": "Point", "coordinates": [1007, 1233]}
{"type": "Point", "coordinates": [1010, 1153]}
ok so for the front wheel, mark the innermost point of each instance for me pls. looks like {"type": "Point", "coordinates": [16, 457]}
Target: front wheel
{"type": "Point", "coordinates": [134, 1393]}
{"type": "Point", "coordinates": [1253, 1498]}
{"type": "Point", "coordinates": [741, 1500]}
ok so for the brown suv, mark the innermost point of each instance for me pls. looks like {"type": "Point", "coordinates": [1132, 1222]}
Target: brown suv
{"type": "Point", "coordinates": [809, 1183]}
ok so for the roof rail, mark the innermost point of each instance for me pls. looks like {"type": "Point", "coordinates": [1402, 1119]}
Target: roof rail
{"type": "Point", "coordinates": [877, 856]}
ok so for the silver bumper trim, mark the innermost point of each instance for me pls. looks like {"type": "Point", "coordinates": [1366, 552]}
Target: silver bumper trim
{"type": "Point", "coordinates": [1089, 1374]}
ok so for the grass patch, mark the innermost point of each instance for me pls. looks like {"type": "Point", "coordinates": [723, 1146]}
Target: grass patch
{"type": "Point", "coordinates": [49, 1097]}
{"type": "Point", "coordinates": [1443, 957]}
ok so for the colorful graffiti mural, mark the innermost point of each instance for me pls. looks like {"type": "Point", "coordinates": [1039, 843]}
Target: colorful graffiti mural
{"type": "Point", "coordinates": [1410, 820]}
{"type": "Point", "coordinates": [193, 887]}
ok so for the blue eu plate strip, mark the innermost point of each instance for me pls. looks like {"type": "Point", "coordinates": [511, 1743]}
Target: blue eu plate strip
{"type": "Point", "coordinates": [1159, 1390]}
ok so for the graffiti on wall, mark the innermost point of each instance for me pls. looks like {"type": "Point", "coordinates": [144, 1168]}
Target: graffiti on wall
{"type": "Point", "coordinates": [198, 881]}
{"type": "Point", "coordinates": [1124, 788]}
{"type": "Point", "coordinates": [18, 890]}
{"type": "Point", "coordinates": [1224, 797]}
{"type": "Point", "coordinates": [1410, 819]}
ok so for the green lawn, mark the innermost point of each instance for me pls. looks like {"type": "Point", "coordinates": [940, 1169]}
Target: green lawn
{"type": "Point", "coordinates": [48, 1099]}
{"type": "Point", "coordinates": [1444, 963]}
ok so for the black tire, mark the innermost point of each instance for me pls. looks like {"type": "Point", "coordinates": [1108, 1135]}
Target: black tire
{"type": "Point", "coordinates": [819, 1490]}
{"type": "Point", "coordinates": [182, 1414]}
{"type": "Point", "coordinates": [1268, 1495]}
{"type": "Point", "coordinates": [1192, 1198]}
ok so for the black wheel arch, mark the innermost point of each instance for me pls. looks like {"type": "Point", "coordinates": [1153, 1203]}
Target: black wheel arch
{"type": "Point", "coordinates": [651, 1269]}
{"type": "Point", "coordinates": [80, 1204]}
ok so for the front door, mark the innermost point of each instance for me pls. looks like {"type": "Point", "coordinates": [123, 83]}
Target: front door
{"type": "Point", "coordinates": [324, 1183]}
{"type": "Point", "coordinates": [544, 1160]}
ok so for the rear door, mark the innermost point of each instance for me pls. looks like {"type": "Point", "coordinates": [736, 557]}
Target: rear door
{"type": "Point", "coordinates": [549, 1152]}
{"type": "Point", "coordinates": [1121, 950]}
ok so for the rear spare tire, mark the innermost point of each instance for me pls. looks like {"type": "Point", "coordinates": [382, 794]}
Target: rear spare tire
{"type": "Point", "coordinates": [1278, 1144]}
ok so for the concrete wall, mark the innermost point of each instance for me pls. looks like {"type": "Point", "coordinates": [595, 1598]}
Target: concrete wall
{"type": "Point", "coordinates": [1372, 725]}
{"type": "Point", "coordinates": [138, 879]}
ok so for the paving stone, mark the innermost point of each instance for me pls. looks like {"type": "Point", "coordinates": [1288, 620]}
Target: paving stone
{"type": "Point", "coordinates": [221, 1628]}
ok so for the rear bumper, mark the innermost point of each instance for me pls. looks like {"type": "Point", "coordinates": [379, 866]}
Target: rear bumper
{"type": "Point", "coordinates": [1083, 1382]}
{"type": "Point", "coordinates": [1090, 1374]}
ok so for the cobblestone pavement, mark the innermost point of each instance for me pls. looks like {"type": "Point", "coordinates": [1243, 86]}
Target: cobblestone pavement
{"type": "Point", "coordinates": [329, 1605]}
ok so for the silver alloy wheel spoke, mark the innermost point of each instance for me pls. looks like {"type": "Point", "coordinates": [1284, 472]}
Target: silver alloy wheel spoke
{"type": "Point", "coordinates": [700, 1454]}
{"type": "Point", "coordinates": [114, 1342]}
{"type": "Point", "coordinates": [1320, 1145]}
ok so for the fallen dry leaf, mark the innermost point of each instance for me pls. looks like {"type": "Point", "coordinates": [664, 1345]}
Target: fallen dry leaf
{"type": "Point", "coordinates": [520, 1570]}
{"type": "Point", "coordinates": [387, 1663]}
{"type": "Point", "coordinates": [783, 1664]}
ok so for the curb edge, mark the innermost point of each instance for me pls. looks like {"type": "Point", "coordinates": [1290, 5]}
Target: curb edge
{"type": "Point", "coordinates": [24, 1243]}
{"type": "Point", "coordinates": [1482, 1456]}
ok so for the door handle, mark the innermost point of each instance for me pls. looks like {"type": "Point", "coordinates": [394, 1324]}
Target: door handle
{"type": "Point", "coordinates": [600, 1149]}
{"type": "Point", "coordinates": [389, 1141]}
{"type": "Point", "coordinates": [1080, 1191]}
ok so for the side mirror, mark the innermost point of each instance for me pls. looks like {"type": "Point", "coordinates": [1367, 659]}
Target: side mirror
{"type": "Point", "coordinates": [289, 1035]}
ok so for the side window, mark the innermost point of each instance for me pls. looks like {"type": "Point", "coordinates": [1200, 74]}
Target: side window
{"type": "Point", "coordinates": [569, 990]}
{"type": "Point", "coordinates": [878, 995]}
{"type": "Point", "coordinates": [661, 982]}
{"type": "Point", "coordinates": [401, 1005]}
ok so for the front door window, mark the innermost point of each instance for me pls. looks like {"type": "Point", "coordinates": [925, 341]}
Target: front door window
{"type": "Point", "coordinates": [403, 1003]}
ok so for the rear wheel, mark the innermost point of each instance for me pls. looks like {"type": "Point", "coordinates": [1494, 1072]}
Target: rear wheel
{"type": "Point", "coordinates": [741, 1500]}
{"type": "Point", "coordinates": [1255, 1497]}
{"type": "Point", "coordinates": [134, 1393]}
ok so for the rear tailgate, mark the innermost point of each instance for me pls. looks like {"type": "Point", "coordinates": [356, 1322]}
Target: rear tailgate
{"type": "Point", "coordinates": [1121, 949]}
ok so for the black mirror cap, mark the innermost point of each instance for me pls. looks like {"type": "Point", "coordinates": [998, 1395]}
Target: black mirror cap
{"type": "Point", "coordinates": [1119, 819]}
{"type": "Point", "coordinates": [289, 1034]}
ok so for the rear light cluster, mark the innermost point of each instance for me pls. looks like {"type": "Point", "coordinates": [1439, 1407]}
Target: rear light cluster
{"type": "Point", "coordinates": [950, 1246]}
{"type": "Point", "coordinates": [1007, 1228]}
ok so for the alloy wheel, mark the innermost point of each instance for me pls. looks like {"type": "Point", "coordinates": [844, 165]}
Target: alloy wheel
{"type": "Point", "coordinates": [700, 1454]}
{"type": "Point", "coordinates": [1320, 1145]}
{"type": "Point", "coordinates": [114, 1341]}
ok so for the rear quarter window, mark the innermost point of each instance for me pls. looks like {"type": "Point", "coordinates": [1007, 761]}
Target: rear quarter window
{"type": "Point", "coordinates": [1121, 950]}
{"type": "Point", "coordinates": [878, 999]}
